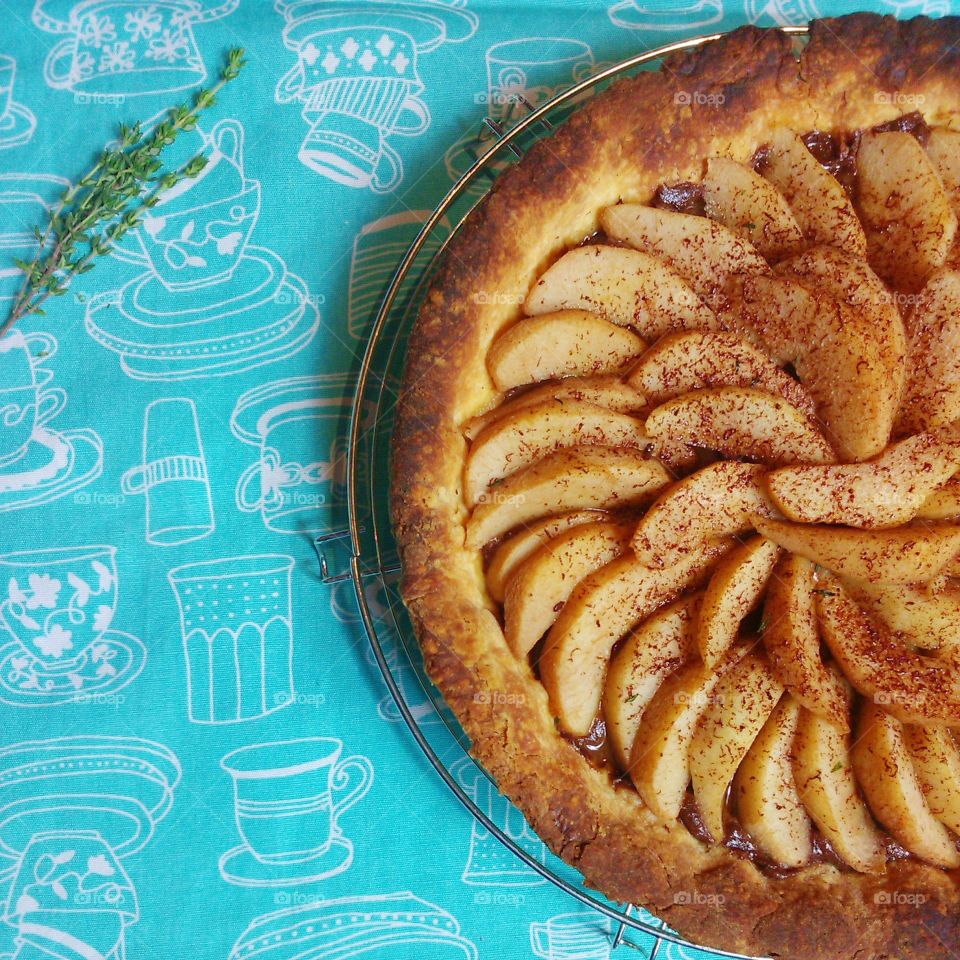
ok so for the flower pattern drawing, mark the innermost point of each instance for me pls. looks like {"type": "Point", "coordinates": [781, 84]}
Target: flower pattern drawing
{"type": "Point", "coordinates": [143, 23]}
{"type": "Point", "coordinates": [97, 31]}
{"type": "Point", "coordinates": [170, 46]}
{"type": "Point", "coordinates": [117, 57]}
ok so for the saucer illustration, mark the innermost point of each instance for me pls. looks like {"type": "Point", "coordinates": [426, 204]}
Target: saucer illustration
{"type": "Point", "coordinates": [119, 786]}
{"type": "Point", "coordinates": [17, 123]}
{"type": "Point", "coordinates": [38, 463]}
{"type": "Point", "coordinates": [383, 925]}
{"type": "Point", "coordinates": [241, 866]}
{"type": "Point", "coordinates": [113, 662]}
{"type": "Point", "coordinates": [208, 303]}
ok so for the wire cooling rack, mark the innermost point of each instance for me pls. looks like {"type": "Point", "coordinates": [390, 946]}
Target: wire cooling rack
{"type": "Point", "coordinates": [364, 553]}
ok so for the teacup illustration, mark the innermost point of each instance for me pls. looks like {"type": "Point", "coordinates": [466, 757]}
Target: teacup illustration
{"type": "Point", "coordinates": [17, 123]}
{"type": "Point", "coordinates": [127, 47]}
{"type": "Point", "coordinates": [24, 405]}
{"type": "Point", "coordinates": [59, 601]}
{"type": "Point", "coordinates": [666, 14]}
{"type": "Point", "coordinates": [289, 797]}
{"type": "Point", "coordinates": [572, 936]}
{"type": "Point", "coordinates": [197, 235]}
{"type": "Point", "coordinates": [295, 483]}
{"type": "Point", "coordinates": [70, 887]}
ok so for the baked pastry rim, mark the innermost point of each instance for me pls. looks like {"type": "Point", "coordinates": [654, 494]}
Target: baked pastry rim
{"type": "Point", "coordinates": [658, 126]}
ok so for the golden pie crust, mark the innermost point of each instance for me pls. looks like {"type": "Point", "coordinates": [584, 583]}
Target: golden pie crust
{"type": "Point", "coordinates": [855, 72]}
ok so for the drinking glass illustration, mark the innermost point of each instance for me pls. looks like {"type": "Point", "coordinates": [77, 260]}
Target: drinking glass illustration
{"type": "Point", "coordinates": [58, 601]}
{"type": "Point", "coordinates": [237, 631]}
{"type": "Point", "coordinates": [172, 475]}
{"type": "Point", "coordinates": [17, 123]}
{"type": "Point", "coordinates": [289, 797]}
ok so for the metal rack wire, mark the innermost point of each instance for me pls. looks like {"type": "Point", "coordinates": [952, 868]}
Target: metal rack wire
{"type": "Point", "coordinates": [364, 552]}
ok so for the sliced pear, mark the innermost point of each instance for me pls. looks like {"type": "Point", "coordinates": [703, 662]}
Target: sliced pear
{"type": "Point", "coordinates": [694, 360]}
{"type": "Point", "coordinates": [530, 434]}
{"type": "Point", "coordinates": [602, 609]}
{"type": "Point", "coordinates": [818, 201]}
{"type": "Point", "coordinates": [885, 771]}
{"type": "Point", "coordinates": [904, 207]}
{"type": "Point", "coordinates": [836, 356]}
{"type": "Point", "coordinates": [702, 251]}
{"type": "Point", "coordinates": [742, 702]}
{"type": "Point", "coordinates": [569, 343]}
{"type": "Point", "coordinates": [936, 762]}
{"type": "Point", "coordinates": [735, 588]}
{"type": "Point", "coordinates": [943, 149]}
{"type": "Point", "coordinates": [740, 422]}
{"type": "Point", "coordinates": [824, 777]}
{"type": "Point", "coordinates": [765, 793]}
{"type": "Point", "coordinates": [932, 394]}
{"type": "Point", "coordinates": [537, 592]}
{"type": "Point", "coordinates": [926, 620]}
{"type": "Point", "coordinates": [605, 391]}
{"type": "Point", "coordinates": [746, 204]}
{"type": "Point", "coordinates": [912, 687]}
{"type": "Point", "coordinates": [661, 644]}
{"type": "Point", "coordinates": [847, 277]}
{"type": "Point", "coordinates": [624, 286]}
{"type": "Point", "coordinates": [791, 637]}
{"type": "Point", "coordinates": [942, 504]}
{"type": "Point", "coordinates": [577, 478]}
{"type": "Point", "coordinates": [720, 500]}
{"type": "Point", "coordinates": [896, 555]}
{"type": "Point", "coordinates": [884, 492]}
{"type": "Point", "coordinates": [513, 551]}
{"type": "Point", "coordinates": [659, 759]}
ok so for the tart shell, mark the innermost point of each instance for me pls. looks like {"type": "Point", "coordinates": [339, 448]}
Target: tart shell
{"type": "Point", "coordinates": [723, 98]}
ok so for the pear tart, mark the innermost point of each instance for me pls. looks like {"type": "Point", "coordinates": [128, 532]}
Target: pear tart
{"type": "Point", "coordinates": [676, 489]}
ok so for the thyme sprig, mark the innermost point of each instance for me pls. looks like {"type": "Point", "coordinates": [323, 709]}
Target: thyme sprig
{"type": "Point", "coordinates": [110, 199]}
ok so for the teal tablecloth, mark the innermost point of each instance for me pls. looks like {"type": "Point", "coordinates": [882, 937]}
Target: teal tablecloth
{"type": "Point", "coordinates": [166, 635]}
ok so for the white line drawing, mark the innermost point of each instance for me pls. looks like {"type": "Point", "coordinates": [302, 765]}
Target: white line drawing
{"type": "Point", "coordinates": [38, 463]}
{"type": "Point", "coordinates": [532, 68]}
{"type": "Point", "coordinates": [208, 302]}
{"type": "Point", "coordinates": [377, 251]}
{"type": "Point", "coordinates": [288, 800]}
{"type": "Point", "coordinates": [294, 485]}
{"type": "Point", "coordinates": [57, 605]}
{"type": "Point", "coordinates": [583, 936]}
{"type": "Point", "coordinates": [489, 862]}
{"type": "Point", "coordinates": [17, 123]}
{"type": "Point", "coordinates": [903, 9]}
{"type": "Point", "coordinates": [172, 475]}
{"type": "Point", "coordinates": [70, 810]}
{"type": "Point", "coordinates": [236, 624]}
{"type": "Point", "coordinates": [118, 47]}
{"type": "Point", "coordinates": [356, 79]}
{"type": "Point", "coordinates": [390, 925]}
{"type": "Point", "coordinates": [781, 13]}
{"type": "Point", "coordinates": [666, 14]}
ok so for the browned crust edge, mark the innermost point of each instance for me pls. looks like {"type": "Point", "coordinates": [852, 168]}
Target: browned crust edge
{"type": "Point", "coordinates": [856, 71]}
